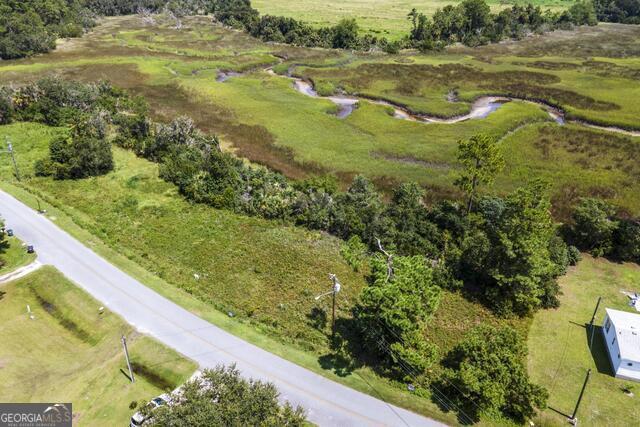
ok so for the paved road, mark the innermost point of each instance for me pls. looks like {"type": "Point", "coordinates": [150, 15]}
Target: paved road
{"type": "Point", "coordinates": [327, 403]}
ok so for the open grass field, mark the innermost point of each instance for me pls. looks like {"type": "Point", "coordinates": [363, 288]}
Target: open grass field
{"type": "Point", "coordinates": [591, 73]}
{"type": "Point", "coordinates": [382, 17]}
{"type": "Point", "coordinates": [14, 256]}
{"type": "Point", "coordinates": [559, 353]}
{"type": "Point", "coordinates": [71, 353]}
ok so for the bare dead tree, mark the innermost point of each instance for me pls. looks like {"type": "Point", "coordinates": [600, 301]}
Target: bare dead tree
{"type": "Point", "coordinates": [389, 260]}
{"type": "Point", "coordinates": [146, 16]}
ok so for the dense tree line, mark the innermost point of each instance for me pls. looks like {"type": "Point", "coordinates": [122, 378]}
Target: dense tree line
{"type": "Point", "coordinates": [221, 397]}
{"type": "Point", "coordinates": [28, 27]}
{"type": "Point", "coordinates": [508, 247]}
{"type": "Point", "coordinates": [596, 227]}
{"type": "Point", "coordinates": [472, 23]}
{"type": "Point", "coordinates": [469, 22]}
{"type": "Point", "coordinates": [624, 11]}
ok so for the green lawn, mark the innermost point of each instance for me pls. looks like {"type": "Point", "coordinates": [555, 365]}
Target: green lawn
{"type": "Point", "coordinates": [559, 354]}
{"type": "Point", "coordinates": [14, 256]}
{"type": "Point", "coordinates": [383, 17]}
{"type": "Point", "coordinates": [70, 353]}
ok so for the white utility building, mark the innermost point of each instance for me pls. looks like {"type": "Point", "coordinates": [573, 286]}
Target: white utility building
{"type": "Point", "coordinates": [621, 331]}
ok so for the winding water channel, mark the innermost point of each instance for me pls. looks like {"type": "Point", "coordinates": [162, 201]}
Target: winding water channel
{"type": "Point", "coordinates": [481, 107]}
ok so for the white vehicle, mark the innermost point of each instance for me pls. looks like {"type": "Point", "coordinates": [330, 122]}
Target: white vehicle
{"type": "Point", "coordinates": [139, 419]}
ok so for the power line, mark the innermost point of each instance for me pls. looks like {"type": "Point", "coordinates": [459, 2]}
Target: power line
{"type": "Point", "coordinates": [411, 372]}
{"type": "Point", "coordinates": [448, 382]}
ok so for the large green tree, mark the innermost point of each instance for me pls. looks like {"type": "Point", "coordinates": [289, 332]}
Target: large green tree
{"type": "Point", "coordinates": [520, 264]}
{"type": "Point", "coordinates": [482, 160]}
{"type": "Point", "coordinates": [593, 226]}
{"type": "Point", "coordinates": [412, 232]}
{"type": "Point", "coordinates": [359, 211]}
{"type": "Point", "coordinates": [485, 374]}
{"type": "Point", "coordinates": [393, 311]}
{"type": "Point", "coordinates": [221, 397]}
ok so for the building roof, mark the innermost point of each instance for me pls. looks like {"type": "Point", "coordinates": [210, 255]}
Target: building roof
{"type": "Point", "coordinates": [627, 326]}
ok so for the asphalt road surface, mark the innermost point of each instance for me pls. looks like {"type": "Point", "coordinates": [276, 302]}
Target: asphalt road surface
{"type": "Point", "coordinates": [327, 403]}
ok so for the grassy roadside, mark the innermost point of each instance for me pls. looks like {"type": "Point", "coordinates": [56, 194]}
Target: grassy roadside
{"type": "Point", "coordinates": [69, 352]}
{"type": "Point", "coordinates": [14, 256]}
{"type": "Point", "coordinates": [58, 198]}
{"type": "Point", "coordinates": [559, 353]}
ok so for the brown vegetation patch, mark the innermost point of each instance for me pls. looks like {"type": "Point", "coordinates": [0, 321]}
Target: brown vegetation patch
{"type": "Point", "coordinates": [410, 160]}
{"type": "Point", "coordinates": [424, 75]}
{"type": "Point", "coordinates": [593, 149]}
{"type": "Point", "coordinates": [609, 69]}
{"type": "Point", "coordinates": [604, 40]}
{"type": "Point", "coordinates": [549, 65]}
{"type": "Point", "coordinates": [550, 95]}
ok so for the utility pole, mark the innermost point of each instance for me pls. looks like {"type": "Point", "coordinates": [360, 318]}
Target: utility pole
{"type": "Point", "coordinates": [13, 157]}
{"type": "Point", "coordinates": [573, 420]}
{"type": "Point", "coordinates": [126, 355]}
{"type": "Point", "coordinates": [593, 318]}
{"type": "Point", "coordinates": [334, 291]}
{"type": "Point", "coordinates": [595, 311]}
{"type": "Point", "coordinates": [335, 288]}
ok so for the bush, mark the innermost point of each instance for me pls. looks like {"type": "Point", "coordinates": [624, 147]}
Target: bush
{"type": "Point", "coordinates": [627, 240]}
{"type": "Point", "coordinates": [6, 106]}
{"type": "Point", "coordinates": [574, 255]}
{"type": "Point", "coordinates": [354, 252]}
{"type": "Point", "coordinates": [593, 226]}
{"type": "Point", "coordinates": [221, 397]}
{"type": "Point", "coordinates": [485, 373]}
{"type": "Point", "coordinates": [76, 157]}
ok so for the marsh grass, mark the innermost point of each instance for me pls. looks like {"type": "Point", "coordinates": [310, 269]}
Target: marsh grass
{"type": "Point", "coordinates": [261, 117]}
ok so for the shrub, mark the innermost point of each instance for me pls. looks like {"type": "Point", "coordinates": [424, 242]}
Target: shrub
{"type": "Point", "coordinates": [76, 157]}
{"type": "Point", "coordinates": [627, 240]}
{"type": "Point", "coordinates": [574, 255]}
{"type": "Point", "coordinates": [593, 226]}
{"type": "Point", "coordinates": [221, 397]}
{"type": "Point", "coordinates": [485, 373]}
{"type": "Point", "coordinates": [354, 252]}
